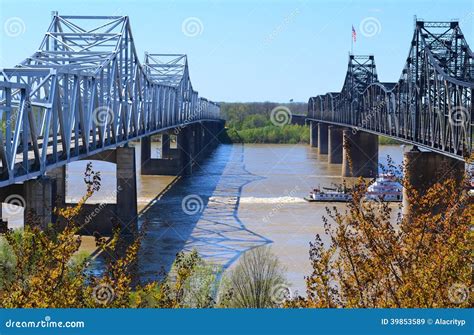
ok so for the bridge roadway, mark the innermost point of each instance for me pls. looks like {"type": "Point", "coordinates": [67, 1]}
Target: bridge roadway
{"type": "Point", "coordinates": [86, 92]}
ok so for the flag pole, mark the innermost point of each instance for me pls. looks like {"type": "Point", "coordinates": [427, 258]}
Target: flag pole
{"type": "Point", "coordinates": [352, 41]}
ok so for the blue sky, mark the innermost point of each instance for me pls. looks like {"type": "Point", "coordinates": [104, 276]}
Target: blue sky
{"type": "Point", "coordinates": [253, 50]}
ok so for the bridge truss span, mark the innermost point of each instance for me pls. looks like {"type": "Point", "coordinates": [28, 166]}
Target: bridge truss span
{"type": "Point", "coordinates": [430, 106]}
{"type": "Point", "coordinates": [84, 91]}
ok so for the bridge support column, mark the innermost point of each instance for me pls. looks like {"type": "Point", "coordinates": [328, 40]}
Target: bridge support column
{"type": "Point", "coordinates": [313, 134]}
{"type": "Point", "coordinates": [169, 164]}
{"type": "Point", "coordinates": [360, 154]}
{"type": "Point", "coordinates": [186, 147]}
{"type": "Point", "coordinates": [165, 145]}
{"type": "Point", "coordinates": [209, 140]}
{"type": "Point", "coordinates": [201, 148]}
{"type": "Point", "coordinates": [39, 201]}
{"type": "Point", "coordinates": [335, 145]}
{"type": "Point", "coordinates": [126, 191]}
{"type": "Point", "coordinates": [322, 138]}
{"type": "Point", "coordinates": [423, 170]}
{"type": "Point", "coordinates": [58, 175]}
{"type": "Point", "coordinates": [145, 149]}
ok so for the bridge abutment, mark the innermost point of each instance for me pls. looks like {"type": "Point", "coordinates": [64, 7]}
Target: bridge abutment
{"type": "Point", "coordinates": [335, 138]}
{"type": "Point", "coordinates": [423, 170]}
{"type": "Point", "coordinates": [360, 154]}
{"type": "Point", "coordinates": [322, 139]}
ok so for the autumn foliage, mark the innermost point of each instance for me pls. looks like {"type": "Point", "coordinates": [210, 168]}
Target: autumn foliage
{"type": "Point", "coordinates": [374, 258]}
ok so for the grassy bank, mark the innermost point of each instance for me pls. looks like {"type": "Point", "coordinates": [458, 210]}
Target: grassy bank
{"type": "Point", "coordinates": [291, 134]}
{"type": "Point", "coordinates": [252, 123]}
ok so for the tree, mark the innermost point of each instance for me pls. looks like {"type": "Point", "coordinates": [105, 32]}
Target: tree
{"type": "Point", "coordinates": [42, 269]}
{"type": "Point", "coordinates": [257, 281]}
{"type": "Point", "coordinates": [422, 261]}
{"type": "Point", "coordinates": [191, 283]}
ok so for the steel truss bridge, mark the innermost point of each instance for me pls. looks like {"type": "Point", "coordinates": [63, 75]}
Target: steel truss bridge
{"type": "Point", "coordinates": [430, 106]}
{"type": "Point", "coordinates": [85, 91]}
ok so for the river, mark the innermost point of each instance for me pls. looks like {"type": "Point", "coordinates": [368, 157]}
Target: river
{"type": "Point", "coordinates": [240, 197]}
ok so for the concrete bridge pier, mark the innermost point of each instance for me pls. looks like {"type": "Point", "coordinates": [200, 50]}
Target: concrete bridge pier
{"type": "Point", "coordinates": [187, 149]}
{"type": "Point", "coordinates": [423, 170]}
{"type": "Point", "coordinates": [360, 154]}
{"type": "Point", "coordinates": [165, 145]}
{"type": "Point", "coordinates": [179, 161]}
{"type": "Point", "coordinates": [210, 139]}
{"type": "Point", "coordinates": [335, 145]}
{"type": "Point", "coordinates": [313, 134]}
{"type": "Point", "coordinates": [39, 197]}
{"type": "Point", "coordinates": [202, 141]}
{"type": "Point", "coordinates": [42, 196]}
{"type": "Point", "coordinates": [168, 164]}
{"type": "Point", "coordinates": [39, 202]}
{"type": "Point", "coordinates": [126, 190]}
{"type": "Point", "coordinates": [58, 175]}
{"type": "Point", "coordinates": [103, 217]}
{"type": "Point", "coordinates": [322, 139]}
{"type": "Point", "coordinates": [211, 133]}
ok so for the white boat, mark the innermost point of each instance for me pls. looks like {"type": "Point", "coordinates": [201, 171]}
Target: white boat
{"type": "Point", "coordinates": [329, 195]}
{"type": "Point", "coordinates": [385, 188]}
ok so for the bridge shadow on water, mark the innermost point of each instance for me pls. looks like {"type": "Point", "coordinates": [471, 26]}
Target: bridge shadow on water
{"type": "Point", "coordinates": [213, 228]}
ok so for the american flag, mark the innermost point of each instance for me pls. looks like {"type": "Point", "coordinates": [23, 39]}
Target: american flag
{"type": "Point", "coordinates": [354, 34]}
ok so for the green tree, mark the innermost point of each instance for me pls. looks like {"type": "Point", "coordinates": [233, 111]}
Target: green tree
{"type": "Point", "coordinates": [257, 281]}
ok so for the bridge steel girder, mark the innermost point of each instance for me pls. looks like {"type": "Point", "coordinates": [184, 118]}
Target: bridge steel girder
{"type": "Point", "coordinates": [85, 91]}
{"type": "Point", "coordinates": [432, 104]}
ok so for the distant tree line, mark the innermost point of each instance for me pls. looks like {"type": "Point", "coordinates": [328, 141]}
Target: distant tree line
{"type": "Point", "coordinates": [250, 122]}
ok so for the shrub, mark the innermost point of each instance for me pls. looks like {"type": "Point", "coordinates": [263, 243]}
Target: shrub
{"type": "Point", "coordinates": [421, 261]}
{"type": "Point", "coordinates": [257, 281]}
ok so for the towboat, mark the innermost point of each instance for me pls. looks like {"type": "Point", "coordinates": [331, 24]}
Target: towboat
{"type": "Point", "coordinates": [339, 194]}
{"type": "Point", "coordinates": [385, 188]}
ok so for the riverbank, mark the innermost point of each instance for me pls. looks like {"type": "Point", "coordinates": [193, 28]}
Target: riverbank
{"type": "Point", "coordinates": [287, 134]}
